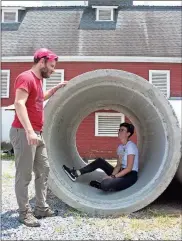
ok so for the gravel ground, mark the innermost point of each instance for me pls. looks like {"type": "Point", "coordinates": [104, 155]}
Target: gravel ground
{"type": "Point", "coordinates": [159, 221]}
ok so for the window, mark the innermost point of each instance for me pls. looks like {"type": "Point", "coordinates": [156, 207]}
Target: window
{"type": "Point", "coordinates": [161, 80]}
{"type": "Point", "coordinates": [105, 13]}
{"type": "Point", "coordinates": [107, 124]}
{"type": "Point", "coordinates": [5, 79]}
{"type": "Point", "coordinates": [10, 16]}
{"type": "Point", "coordinates": [56, 78]}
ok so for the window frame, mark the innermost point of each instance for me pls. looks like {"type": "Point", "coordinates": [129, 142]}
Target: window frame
{"type": "Point", "coordinates": [167, 72]}
{"type": "Point", "coordinates": [10, 11]}
{"type": "Point", "coordinates": [97, 114]}
{"type": "Point", "coordinates": [111, 8]}
{"type": "Point", "coordinates": [98, 15]}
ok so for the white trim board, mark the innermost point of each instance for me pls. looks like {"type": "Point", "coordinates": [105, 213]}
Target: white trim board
{"type": "Point", "coordinates": [6, 8]}
{"type": "Point", "coordinates": [105, 7]}
{"type": "Point", "coordinates": [124, 59]}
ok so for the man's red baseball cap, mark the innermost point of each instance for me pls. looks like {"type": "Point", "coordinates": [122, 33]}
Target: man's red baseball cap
{"type": "Point", "coordinates": [45, 53]}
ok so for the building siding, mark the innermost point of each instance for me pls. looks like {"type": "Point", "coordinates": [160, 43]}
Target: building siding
{"type": "Point", "coordinates": [72, 69]}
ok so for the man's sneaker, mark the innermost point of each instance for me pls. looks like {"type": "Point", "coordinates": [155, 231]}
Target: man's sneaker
{"type": "Point", "coordinates": [28, 219]}
{"type": "Point", "coordinates": [95, 184]}
{"type": "Point", "coordinates": [70, 172]}
{"type": "Point", "coordinates": [45, 213]}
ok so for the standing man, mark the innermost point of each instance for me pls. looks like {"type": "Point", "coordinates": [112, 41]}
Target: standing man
{"type": "Point", "coordinates": [26, 136]}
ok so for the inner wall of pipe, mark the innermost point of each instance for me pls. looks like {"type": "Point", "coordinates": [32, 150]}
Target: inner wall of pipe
{"type": "Point", "coordinates": [144, 116]}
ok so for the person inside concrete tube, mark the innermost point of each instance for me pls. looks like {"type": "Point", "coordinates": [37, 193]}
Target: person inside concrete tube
{"type": "Point", "coordinates": [124, 174]}
{"type": "Point", "coordinates": [27, 139]}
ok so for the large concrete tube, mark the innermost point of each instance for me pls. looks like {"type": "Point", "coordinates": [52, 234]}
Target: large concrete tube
{"type": "Point", "coordinates": [157, 129]}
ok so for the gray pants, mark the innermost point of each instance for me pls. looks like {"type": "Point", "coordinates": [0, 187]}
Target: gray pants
{"type": "Point", "coordinates": [29, 158]}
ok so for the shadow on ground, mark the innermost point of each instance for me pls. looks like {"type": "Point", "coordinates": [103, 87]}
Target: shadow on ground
{"type": "Point", "coordinates": [9, 222]}
{"type": "Point", "coordinates": [167, 204]}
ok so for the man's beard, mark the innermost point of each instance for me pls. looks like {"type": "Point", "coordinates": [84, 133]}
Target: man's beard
{"type": "Point", "coordinates": [44, 73]}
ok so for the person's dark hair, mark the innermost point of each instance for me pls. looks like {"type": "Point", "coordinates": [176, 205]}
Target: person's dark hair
{"type": "Point", "coordinates": [130, 128]}
{"type": "Point", "coordinates": [36, 60]}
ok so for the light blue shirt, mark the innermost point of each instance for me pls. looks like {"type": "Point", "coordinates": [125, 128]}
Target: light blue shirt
{"type": "Point", "coordinates": [129, 149]}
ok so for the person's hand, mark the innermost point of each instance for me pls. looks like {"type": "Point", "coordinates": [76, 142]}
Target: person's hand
{"type": "Point", "coordinates": [61, 85]}
{"type": "Point", "coordinates": [32, 138]}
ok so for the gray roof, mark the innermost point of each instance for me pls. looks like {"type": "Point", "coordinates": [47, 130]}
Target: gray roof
{"type": "Point", "coordinates": [73, 31]}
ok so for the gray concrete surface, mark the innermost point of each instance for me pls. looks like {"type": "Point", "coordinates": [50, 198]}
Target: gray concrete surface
{"type": "Point", "coordinates": [179, 172]}
{"type": "Point", "coordinates": [157, 130]}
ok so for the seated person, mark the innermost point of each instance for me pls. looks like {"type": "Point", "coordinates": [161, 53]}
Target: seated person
{"type": "Point", "coordinates": [124, 174]}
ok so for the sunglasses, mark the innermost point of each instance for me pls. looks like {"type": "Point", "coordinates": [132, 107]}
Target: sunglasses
{"type": "Point", "coordinates": [121, 130]}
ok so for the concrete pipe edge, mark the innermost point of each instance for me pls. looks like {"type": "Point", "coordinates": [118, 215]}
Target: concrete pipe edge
{"type": "Point", "coordinates": [151, 113]}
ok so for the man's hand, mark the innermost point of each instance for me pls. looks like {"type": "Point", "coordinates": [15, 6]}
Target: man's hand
{"type": "Point", "coordinates": [50, 92]}
{"type": "Point", "coordinates": [32, 138]}
{"type": "Point", "coordinates": [62, 84]}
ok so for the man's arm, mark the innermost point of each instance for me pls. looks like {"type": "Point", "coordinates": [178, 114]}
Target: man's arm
{"type": "Point", "coordinates": [21, 97]}
{"type": "Point", "coordinates": [50, 92]}
{"type": "Point", "coordinates": [130, 161]}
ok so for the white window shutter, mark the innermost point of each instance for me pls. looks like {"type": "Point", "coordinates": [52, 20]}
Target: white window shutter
{"type": "Point", "coordinates": [107, 124]}
{"type": "Point", "coordinates": [56, 78]}
{"type": "Point", "coordinates": [105, 15]}
{"type": "Point", "coordinates": [161, 80]}
{"type": "Point", "coordinates": [9, 17]}
{"type": "Point", "coordinates": [5, 79]}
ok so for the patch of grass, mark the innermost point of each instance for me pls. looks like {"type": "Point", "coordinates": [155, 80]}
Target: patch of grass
{"type": "Point", "coordinates": [137, 224]}
{"type": "Point", "coordinates": [12, 163]}
{"type": "Point", "coordinates": [5, 156]}
{"type": "Point", "coordinates": [166, 222]}
{"type": "Point", "coordinates": [7, 175]}
{"type": "Point", "coordinates": [164, 212]}
{"type": "Point", "coordinates": [59, 229]}
{"type": "Point", "coordinates": [74, 213]}
{"type": "Point", "coordinates": [127, 236]}
{"type": "Point", "coordinates": [78, 222]}
{"type": "Point", "coordinates": [160, 222]}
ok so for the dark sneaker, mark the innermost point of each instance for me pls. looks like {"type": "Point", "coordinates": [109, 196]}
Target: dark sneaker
{"type": "Point", "coordinates": [95, 184]}
{"type": "Point", "coordinates": [28, 219]}
{"type": "Point", "coordinates": [71, 173]}
{"type": "Point", "coordinates": [45, 213]}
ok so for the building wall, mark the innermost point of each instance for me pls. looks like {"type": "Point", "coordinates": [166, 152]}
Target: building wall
{"type": "Point", "coordinates": [88, 145]}
{"type": "Point", "coordinates": [72, 69]}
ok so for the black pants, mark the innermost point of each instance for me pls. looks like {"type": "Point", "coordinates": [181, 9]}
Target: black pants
{"type": "Point", "coordinates": [114, 184]}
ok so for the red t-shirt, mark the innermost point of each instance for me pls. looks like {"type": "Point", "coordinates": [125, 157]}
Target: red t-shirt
{"type": "Point", "coordinates": [29, 82]}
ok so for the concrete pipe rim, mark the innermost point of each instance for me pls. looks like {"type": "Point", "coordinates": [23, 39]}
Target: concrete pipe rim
{"type": "Point", "coordinates": [107, 80]}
